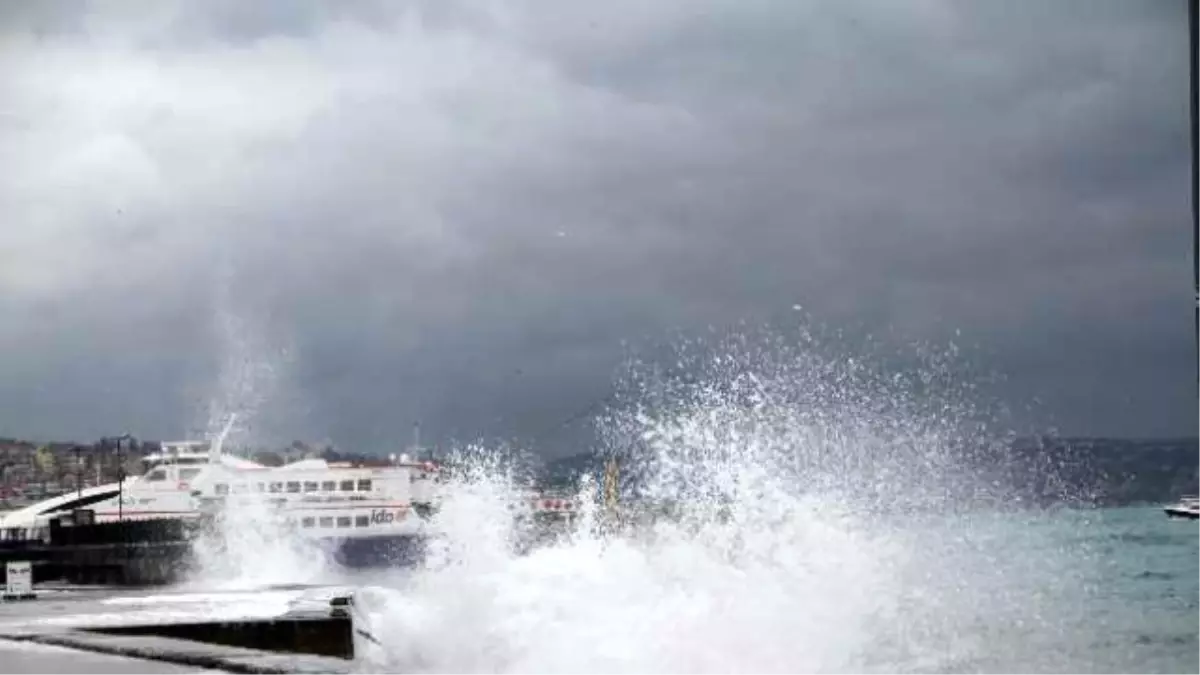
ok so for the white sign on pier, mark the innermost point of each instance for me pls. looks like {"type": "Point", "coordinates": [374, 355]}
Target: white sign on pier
{"type": "Point", "coordinates": [19, 581]}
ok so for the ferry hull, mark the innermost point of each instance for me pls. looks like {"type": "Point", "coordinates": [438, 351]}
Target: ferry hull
{"type": "Point", "coordinates": [396, 550]}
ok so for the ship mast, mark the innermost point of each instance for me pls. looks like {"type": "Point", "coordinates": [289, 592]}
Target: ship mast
{"type": "Point", "coordinates": [214, 448]}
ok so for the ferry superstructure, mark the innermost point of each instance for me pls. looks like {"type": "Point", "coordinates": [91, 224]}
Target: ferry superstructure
{"type": "Point", "coordinates": [193, 479]}
{"type": "Point", "coordinates": [361, 511]}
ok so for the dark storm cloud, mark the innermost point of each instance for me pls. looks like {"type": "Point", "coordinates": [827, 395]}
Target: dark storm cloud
{"type": "Point", "coordinates": [459, 211]}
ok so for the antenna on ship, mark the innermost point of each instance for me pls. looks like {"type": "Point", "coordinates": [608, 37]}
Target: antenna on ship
{"type": "Point", "coordinates": [214, 448]}
{"type": "Point", "coordinates": [415, 450]}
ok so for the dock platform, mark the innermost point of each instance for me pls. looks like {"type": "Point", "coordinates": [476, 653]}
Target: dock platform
{"type": "Point", "coordinates": [267, 630]}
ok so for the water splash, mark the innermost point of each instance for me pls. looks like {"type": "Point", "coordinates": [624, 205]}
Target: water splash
{"type": "Point", "coordinates": [218, 443]}
{"type": "Point", "coordinates": [251, 376]}
{"type": "Point", "coordinates": [789, 489]}
{"type": "Point", "coordinates": [247, 543]}
{"type": "Point", "coordinates": [250, 381]}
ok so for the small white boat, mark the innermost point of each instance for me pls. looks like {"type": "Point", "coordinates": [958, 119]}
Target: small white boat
{"type": "Point", "coordinates": [1187, 507]}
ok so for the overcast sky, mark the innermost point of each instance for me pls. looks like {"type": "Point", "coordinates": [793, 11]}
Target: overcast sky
{"type": "Point", "coordinates": [354, 215]}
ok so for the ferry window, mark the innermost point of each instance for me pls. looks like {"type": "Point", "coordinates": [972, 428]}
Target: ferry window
{"type": "Point", "coordinates": [260, 487]}
{"type": "Point", "coordinates": [364, 485]}
{"type": "Point", "coordinates": [156, 475]}
{"type": "Point", "coordinates": [327, 521]}
{"type": "Point", "coordinates": [307, 522]}
{"type": "Point", "coordinates": [188, 474]}
{"type": "Point", "coordinates": [329, 486]}
{"type": "Point", "coordinates": [362, 521]}
{"type": "Point", "coordinates": [344, 521]}
{"type": "Point", "coordinates": [276, 487]}
{"type": "Point", "coordinates": [222, 489]}
{"type": "Point", "coordinates": [347, 486]}
{"type": "Point", "coordinates": [310, 486]}
{"type": "Point", "coordinates": [293, 486]}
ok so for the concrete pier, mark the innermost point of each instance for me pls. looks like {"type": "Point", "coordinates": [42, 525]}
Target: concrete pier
{"type": "Point", "coordinates": [295, 630]}
{"type": "Point", "coordinates": [317, 635]}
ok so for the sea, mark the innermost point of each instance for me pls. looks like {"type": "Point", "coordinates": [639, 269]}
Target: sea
{"type": "Point", "coordinates": [821, 590]}
{"type": "Point", "coordinates": [800, 511]}
{"type": "Point", "coordinates": [1064, 590]}
{"type": "Point", "coordinates": [1099, 591]}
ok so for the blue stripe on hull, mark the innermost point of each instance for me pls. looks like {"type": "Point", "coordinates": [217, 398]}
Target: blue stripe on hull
{"type": "Point", "coordinates": [383, 551]}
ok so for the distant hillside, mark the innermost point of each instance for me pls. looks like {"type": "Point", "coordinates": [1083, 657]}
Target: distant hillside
{"type": "Point", "coordinates": [1043, 471]}
{"type": "Point", "coordinates": [1105, 471]}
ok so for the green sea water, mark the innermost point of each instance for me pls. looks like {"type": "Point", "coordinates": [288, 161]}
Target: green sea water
{"type": "Point", "coordinates": [1037, 591]}
{"type": "Point", "coordinates": [1140, 589]}
{"type": "Point", "coordinates": [821, 590]}
{"type": "Point", "coordinates": [1105, 590]}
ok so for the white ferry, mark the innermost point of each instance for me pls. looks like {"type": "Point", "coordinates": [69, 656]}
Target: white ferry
{"type": "Point", "coordinates": [361, 508]}
{"type": "Point", "coordinates": [363, 512]}
{"type": "Point", "coordinates": [367, 512]}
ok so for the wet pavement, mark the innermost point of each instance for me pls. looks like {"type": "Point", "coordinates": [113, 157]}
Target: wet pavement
{"type": "Point", "coordinates": [30, 657]}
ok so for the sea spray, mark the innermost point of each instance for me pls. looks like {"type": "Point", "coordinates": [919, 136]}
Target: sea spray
{"type": "Point", "coordinates": [245, 542]}
{"type": "Point", "coordinates": [717, 598]}
{"type": "Point", "coordinates": [251, 374]}
{"type": "Point", "coordinates": [785, 478]}
{"type": "Point", "coordinates": [771, 465]}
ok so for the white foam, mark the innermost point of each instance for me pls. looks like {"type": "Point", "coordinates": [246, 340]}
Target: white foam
{"type": "Point", "coordinates": [261, 597]}
{"type": "Point", "coordinates": [789, 550]}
